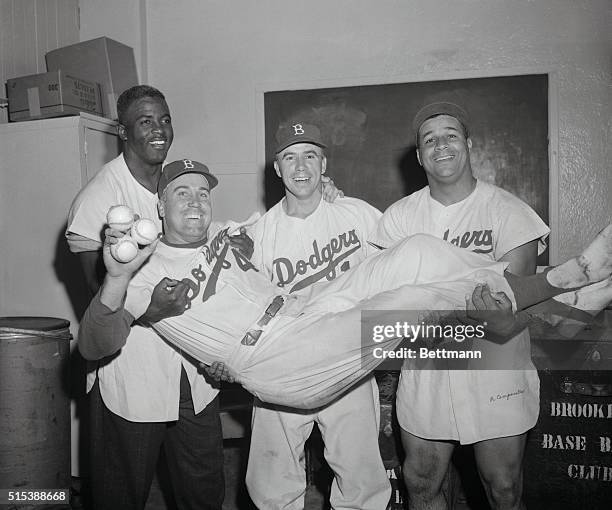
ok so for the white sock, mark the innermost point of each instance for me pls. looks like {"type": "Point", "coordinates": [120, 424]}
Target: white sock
{"type": "Point", "coordinates": [593, 265]}
{"type": "Point", "coordinates": [592, 298]}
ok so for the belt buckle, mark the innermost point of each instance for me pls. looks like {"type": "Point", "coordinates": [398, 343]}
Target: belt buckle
{"type": "Point", "coordinates": [251, 337]}
{"type": "Point", "coordinates": [276, 304]}
{"type": "Point", "coordinates": [273, 308]}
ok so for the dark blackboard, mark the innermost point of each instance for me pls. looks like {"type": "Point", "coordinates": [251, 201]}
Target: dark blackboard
{"type": "Point", "coordinates": [371, 150]}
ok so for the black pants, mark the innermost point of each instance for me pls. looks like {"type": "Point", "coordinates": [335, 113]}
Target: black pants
{"type": "Point", "coordinates": [124, 456]}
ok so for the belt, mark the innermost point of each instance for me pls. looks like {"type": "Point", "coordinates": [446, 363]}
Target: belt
{"type": "Point", "coordinates": [253, 334]}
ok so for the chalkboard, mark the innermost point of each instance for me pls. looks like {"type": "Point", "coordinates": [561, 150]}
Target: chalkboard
{"type": "Point", "coordinates": [371, 149]}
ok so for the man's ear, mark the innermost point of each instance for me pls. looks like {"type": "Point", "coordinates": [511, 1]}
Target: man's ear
{"type": "Point", "coordinates": [323, 165]}
{"type": "Point", "coordinates": [277, 169]}
{"type": "Point", "coordinates": [419, 157]}
{"type": "Point", "coordinates": [469, 143]}
{"type": "Point", "coordinates": [160, 208]}
{"type": "Point", "coordinates": [122, 131]}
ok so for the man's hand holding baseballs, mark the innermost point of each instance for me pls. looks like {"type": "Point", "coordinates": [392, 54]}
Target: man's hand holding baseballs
{"type": "Point", "coordinates": [117, 269]}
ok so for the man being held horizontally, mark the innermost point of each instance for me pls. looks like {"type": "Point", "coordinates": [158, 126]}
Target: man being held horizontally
{"type": "Point", "coordinates": [300, 351]}
{"type": "Point", "coordinates": [303, 240]}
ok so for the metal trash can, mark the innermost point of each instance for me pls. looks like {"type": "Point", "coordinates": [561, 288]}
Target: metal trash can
{"type": "Point", "coordinates": [34, 405]}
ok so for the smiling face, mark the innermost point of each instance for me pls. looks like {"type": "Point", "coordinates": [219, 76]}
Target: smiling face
{"type": "Point", "coordinates": [147, 131]}
{"type": "Point", "coordinates": [300, 166]}
{"type": "Point", "coordinates": [444, 150]}
{"type": "Point", "coordinates": [185, 209]}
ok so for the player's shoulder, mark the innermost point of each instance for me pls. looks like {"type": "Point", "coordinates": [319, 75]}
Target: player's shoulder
{"type": "Point", "coordinates": [352, 211]}
{"type": "Point", "coordinates": [499, 195]}
{"type": "Point", "coordinates": [115, 169]}
{"type": "Point", "coordinates": [410, 202]}
{"type": "Point", "coordinates": [106, 180]}
{"type": "Point", "coordinates": [352, 204]}
{"type": "Point", "coordinates": [488, 188]}
{"type": "Point", "coordinates": [268, 220]}
{"type": "Point", "coordinates": [273, 212]}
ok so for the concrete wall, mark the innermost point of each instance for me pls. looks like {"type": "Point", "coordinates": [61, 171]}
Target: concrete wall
{"type": "Point", "coordinates": [214, 59]}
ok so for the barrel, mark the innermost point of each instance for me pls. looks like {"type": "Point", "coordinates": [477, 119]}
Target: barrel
{"type": "Point", "coordinates": [34, 403]}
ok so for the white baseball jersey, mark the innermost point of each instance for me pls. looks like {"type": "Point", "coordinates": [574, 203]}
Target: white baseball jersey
{"type": "Point", "coordinates": [142, 382]}
{"type": "Point", "coordinates": [312, 351]}
{"type": "Point", "coordinates": [112, 185]}
{"type": "Point", "coordinates": [294, 253]}
{"type": "Point", "coordinates": [477, 405]}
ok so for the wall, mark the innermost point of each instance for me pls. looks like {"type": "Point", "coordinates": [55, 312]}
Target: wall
{"type": "Point", "coordinates": [28, 30]}
{"type": "Point", "coordinates": [122, 20]}
{"type": "Point", "coordinates": [214, 59]}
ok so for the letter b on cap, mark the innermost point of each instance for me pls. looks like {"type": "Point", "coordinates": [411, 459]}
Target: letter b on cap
{"type": "Point", "coordinates": [188, 164]}
{"type": "Point", "coordinates": [298, 129]}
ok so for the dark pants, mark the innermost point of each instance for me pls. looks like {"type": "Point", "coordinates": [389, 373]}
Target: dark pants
{"type": "Point", "coordinates": [124, 456]}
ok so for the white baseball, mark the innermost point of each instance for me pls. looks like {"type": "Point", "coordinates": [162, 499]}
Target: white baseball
{"type": "Point", "coordinates": [144, 231]}
{"type": "Point", "coordinates": [125, 250]}
{"type": "Point", "coordinates": [120, 217]}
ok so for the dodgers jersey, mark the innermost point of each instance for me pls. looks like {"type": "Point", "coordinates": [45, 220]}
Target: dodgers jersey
{"type": "Point", "coordinates": [142, 382]}
{"type": "Point", "coordinates": [112, 185]}
{"type": "Point", "coordinates": [213, 268]}
{"type": "Point", "coordinates": [298, 254]}
{"type": "Point", "coordinates": [295, 253]}
{"type": "Point", "coordinates": [490, 221]}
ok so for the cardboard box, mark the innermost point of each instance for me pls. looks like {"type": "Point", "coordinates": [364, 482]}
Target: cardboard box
{"type": "Point", "coordinates": [54, 94]}
{"type": "Point", "coordinates": [102, 60]}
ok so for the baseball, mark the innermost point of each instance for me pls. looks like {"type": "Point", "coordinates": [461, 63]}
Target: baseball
{"type": "Point", "coordinates": [144, 231]}
{"type": "Point", "coordinates": [125, 250]}
{"type": "Point", "coordinates": [120, 217]}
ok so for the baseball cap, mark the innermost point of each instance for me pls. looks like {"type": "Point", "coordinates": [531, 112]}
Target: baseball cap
{"type": "Point", "coordinates": [184, 166]}
{"type": "Point", "coordinates": [439, 108]}
{"type": "Point", "coordinates": [297, 132]}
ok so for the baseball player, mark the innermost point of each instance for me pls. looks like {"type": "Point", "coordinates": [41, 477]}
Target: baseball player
{"type": "Point", "coordinates": [303, 240]}
{"type": "Point", "coordinates": [301, 351]}
{"type": "Point", "coordinates": [485, 219]}
{"type": "Point", "coordinates": [147, 394]}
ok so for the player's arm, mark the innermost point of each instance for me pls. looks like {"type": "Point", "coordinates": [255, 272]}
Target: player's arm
{"type": "Point", "coordinates": [102, 331]}
{"type": "Point", "coordinates": [522, 259]}
{"type": "Point", "coordinates": [106, 325]}
{"type": "Point", "coordinates": [495, 308]}
{"type": "Point", "coordinates": [242, 242]}
{"type": "Point", "coordinates": [170, 297]}
{"type": "Point", "coordinates": [330, 191]}
{"type": "Point", "coordinates": [167, 300]}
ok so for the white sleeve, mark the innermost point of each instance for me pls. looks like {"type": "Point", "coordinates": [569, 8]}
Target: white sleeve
{"type": "Point", "coordinates": [518, 224]}
{"type": "Point", "coordinates": [87, 215]}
